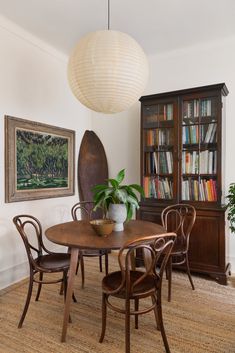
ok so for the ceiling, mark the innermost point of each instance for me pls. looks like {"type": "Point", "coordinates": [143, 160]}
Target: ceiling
{"type": "Point", "coordinates": [158, 25]}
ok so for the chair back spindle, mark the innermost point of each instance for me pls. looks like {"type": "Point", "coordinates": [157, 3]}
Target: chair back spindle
{"type": "Point", "coordinates": [29, 227]}
{"type": "Point", "coordinates": [156, 254]}
{"type": "Point", "coordinates": [85, 210]}
{"type": "Point", "coordinates": [180, 219]}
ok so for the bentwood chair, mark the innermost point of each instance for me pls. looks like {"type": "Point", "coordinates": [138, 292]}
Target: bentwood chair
{"type": "Point", "coordinates": [180, 219]}
{"type": "Point", "coordinates": [40, 259]}
{"type": "Point", "coordinates": [132, 285]}
{"type": "Point", "coordinates": [84, 209]}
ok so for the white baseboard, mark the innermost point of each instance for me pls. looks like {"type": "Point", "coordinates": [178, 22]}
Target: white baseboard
{"type": "Point", "coordinates": [18, 272]}
{"type": "Point", "coordinates": [13, 274]}
{"type": "Point", "coordinates": [231, 260]}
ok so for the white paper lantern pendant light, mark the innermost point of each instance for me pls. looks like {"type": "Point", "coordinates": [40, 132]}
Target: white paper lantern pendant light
{"type": "Point", "coordinates": [108, 71]}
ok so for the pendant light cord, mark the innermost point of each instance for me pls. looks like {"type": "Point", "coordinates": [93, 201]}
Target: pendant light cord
{"type": "Point", "coordinates": [108, 15]}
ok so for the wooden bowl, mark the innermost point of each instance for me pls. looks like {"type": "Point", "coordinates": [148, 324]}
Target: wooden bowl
{"type": "Point", "coordinates": [102, 226]}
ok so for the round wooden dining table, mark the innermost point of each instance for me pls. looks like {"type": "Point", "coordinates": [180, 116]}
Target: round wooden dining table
{"type": "Point", "coordinates": [80, 235]}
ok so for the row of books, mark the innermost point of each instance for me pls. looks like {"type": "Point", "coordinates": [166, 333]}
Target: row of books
{"type": "Point", "coordinates": [203, 190]}
{"type": "Point", "coordinates": [208, 133]}
{"type": "Point", "coordinates": [168, 111]}
{"type": "Point", "coordinates": [203, 163]}
{"type": "Point", "coordinates": [158, 162]}
{"type": "Point", "coordinates": [206, 107]}
{"type": "Point", "coordinates": [190, 162]}
{"type": "Point", "coordinates": [195, 107]}
{"type": "Point", "coordinates": [159, 137]}
{"type": "Point", "coordinates": [159, 112]}
{"type": "Point", "coordinates": [190, 134]}
{"type": "Point", "coordinates": [158, 188]}
{"type": "Point", "coordinates": [208, 162]}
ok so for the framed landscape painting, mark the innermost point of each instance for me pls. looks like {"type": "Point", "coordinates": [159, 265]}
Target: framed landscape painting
{"type": "Point", "coordinates": [39, 160]}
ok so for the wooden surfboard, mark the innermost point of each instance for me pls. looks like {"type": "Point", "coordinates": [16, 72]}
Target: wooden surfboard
{"type": "Point", "coordinates": [92, 165]}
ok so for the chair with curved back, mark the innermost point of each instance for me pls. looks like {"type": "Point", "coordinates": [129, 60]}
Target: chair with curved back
{"type": "Point", "coordinates": [180, 219]}
{"type": "Point", "coordinates": [128, 284]}
{"type": "Point", "coordinates": [40, 259]}
{"type": "Point", "coordinates": [85, 208]}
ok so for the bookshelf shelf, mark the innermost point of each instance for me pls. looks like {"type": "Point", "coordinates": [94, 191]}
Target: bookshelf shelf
{"type": "Point", "coordinates": [181, 162]}
{"type": "Point", "coordinates": [158, 148]}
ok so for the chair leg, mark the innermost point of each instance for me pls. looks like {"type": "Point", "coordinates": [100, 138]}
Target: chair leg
{"type": "Point", "coordinates": [169, 275]}
{"type": "Point", "coordinates": [39, 286]}
{"type": "Point", "coordinates": [61, 288]}
{"type": "Point", "coordinates": [82, 269]}
{"type": "Point", "coordinates": [106, 256]}
{"type": "Point", "coordinates": [188, 272]}
{"type": "Point", "coordinates": [104, 315]}
{"type": "Point", "coordinates": [64, 284]}
{"type": "Point", "coordinates": [136, 315]}
{"type": "Point", "coordinates": [62, 291]}
{"type": "Point", "coordinates": [166, 273]}
{"type": "Point", "coordinates": [100, 262]}
{"type": "Point", "coordinates": [160, 322]}
{"type": "Point", "coordinates": [77, 266]}
{"type": "Point", "coordinates": [27, 301]}
{"type": "Point", "coordinates": [127, 325]}
{"type": "Point", "coordinates": [155, 311]}
{"type": "Point", "coordinates": [74, 298]}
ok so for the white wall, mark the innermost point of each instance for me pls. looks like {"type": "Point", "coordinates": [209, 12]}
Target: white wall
{"type": "Point", "coordinates": [200, 65]}
{"type": "Point", "coordinates": [33, 86]}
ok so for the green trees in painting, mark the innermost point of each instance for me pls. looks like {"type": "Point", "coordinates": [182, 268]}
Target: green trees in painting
{"type": "Point", "coordinates": [42, 160]}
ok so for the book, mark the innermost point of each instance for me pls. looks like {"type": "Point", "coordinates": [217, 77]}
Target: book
{"type": "Point", "coordinates": [208, 137]}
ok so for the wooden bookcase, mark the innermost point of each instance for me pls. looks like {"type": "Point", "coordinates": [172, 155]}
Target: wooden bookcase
{"type": "Point", "coordinates": [181, 162]}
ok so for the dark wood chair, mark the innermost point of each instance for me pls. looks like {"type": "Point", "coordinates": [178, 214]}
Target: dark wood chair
{"type": "Point", "coordinates": [85, 208]}
{"type": "Point", "coordinates": [40, 259]}
{"type": "Point", "coordinates": [180, 219]}
{"type": "Point", "coordinates": [134, 285]}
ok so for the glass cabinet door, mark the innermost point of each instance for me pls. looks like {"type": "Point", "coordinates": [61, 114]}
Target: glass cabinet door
{"type": "Point", "coordinates": [158, 142]}
{"type": "Point", "coordinates": [199, 150]}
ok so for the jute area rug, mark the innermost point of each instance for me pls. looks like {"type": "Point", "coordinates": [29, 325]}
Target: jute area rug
{"type": "Point", "coordinates": [200, 321]}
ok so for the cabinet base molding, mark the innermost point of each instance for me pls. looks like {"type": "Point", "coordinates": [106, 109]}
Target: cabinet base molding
{"type": "Point", "coordinates": [220, 277]}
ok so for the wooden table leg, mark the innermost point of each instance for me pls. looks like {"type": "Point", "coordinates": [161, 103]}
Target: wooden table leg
{"type": "Point", "coordinates": [69, 293]}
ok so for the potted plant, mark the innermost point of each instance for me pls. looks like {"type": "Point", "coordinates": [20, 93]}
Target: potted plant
{"type": "Point", "coordinates": [116, 199]}
{"type": "Point", "coordinates": [230, 206]}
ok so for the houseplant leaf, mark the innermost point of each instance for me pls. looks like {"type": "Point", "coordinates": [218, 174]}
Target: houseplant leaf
{"type": "Point", "coordinates": [116, 193]}
{"type": "Point", "coordinates": [120, 176]}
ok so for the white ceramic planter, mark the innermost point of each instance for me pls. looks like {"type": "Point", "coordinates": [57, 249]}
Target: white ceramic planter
{"type": "Point", "coordinates": [118, 213]}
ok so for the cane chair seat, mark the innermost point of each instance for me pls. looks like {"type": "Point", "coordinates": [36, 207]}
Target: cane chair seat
{"type": "Point", "coordinates": [53, 262]}
{"type": "Point", "coordinates": [179, 249]}
{"type": "Point", "coordinates": [145, 288]}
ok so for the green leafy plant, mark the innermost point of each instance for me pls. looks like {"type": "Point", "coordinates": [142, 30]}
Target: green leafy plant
{"type": "Point", "coordinates": [114, 192]}
{"type": "Point", "coordinates": [230, 206]}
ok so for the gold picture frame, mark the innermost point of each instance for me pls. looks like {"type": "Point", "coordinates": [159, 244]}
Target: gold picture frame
{"type": "Point", "coordinates": [39, 160]}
